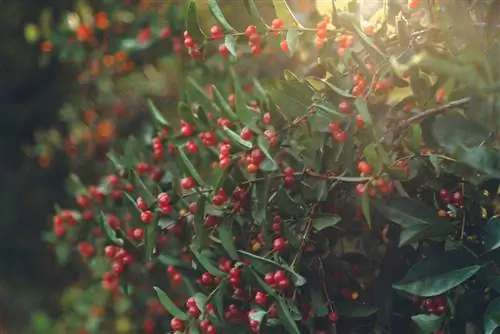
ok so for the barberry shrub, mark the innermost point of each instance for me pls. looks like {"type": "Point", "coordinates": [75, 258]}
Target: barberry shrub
{"type": "Point", "coordinates": [362, 199]}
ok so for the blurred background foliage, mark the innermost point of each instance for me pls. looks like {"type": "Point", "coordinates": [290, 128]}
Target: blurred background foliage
{"type": "Point", "coordinates": [76, 76]}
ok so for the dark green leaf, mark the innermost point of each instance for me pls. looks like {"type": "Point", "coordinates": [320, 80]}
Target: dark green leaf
{"type": "Point", "coordinates": [219, 16]}
{"type": "Point", "coordinates": [171, 260]}
{"type": "Point", "coordinates": [226, 237]}
{"type": "Point", "coordinates": [356, 309]}
{"type": "Point", "coordinates": [150, 237]}
{"type": "Point", "coordinates": [199, 220]}
{"type": "Point", "coordinates": [492, 234]}
{"type": "Point", "coordinates": [321, 223]}
{"type": "Point", "coordinates": [207, 263]}
{"type": "Point", "coordinates": [189, 169]}
{"type": "Point", "coordinates": [491, 316]}
{"type": "Point", "coordinates": [170, 305]}
{"type": "Point", "coordinates": [318, 304]}
{"type": "Point", "coordinates": [428, 322]}
{"type": "Point", "coordinates": [484, 159]}
{"type": "Point", "coordinates": [115, 160]}
{"type": "Point", "coordinates": [342, 92]}
{"type": "Point", "coordinates": [418, 220]}
{"type": "Point", "coordinates": [192, 26]}
{"type": "Point", "coordinates": [289, 205]}
{"type": "Point", "coordinates": [236, 139]}
{"type": "Point", "coordinates": [438, 273]}
{"type": "Point", "coordinates": [286, 316]}
{"type": "Point", "coordinates": [157, 115]}
{"type": "Point", "coordinates": [110, 233]}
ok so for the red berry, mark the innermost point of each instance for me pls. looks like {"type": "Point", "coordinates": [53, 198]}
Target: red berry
{"type": "Point", "coordinates": [177, 324]}
{"type": "Point", "coordinates": [261, 298]}
{"type": "Point", "coordinates": [279, 244]}
{"type": "Point", "coordinates": [251, 30]}
{"type": "Point", "coordinates": [141, 204]}
{"type": "Point", "coordinates": [284, 46]}
{"type": "Point", "coordinates": [334, 317]}
{"type": "Point", "coordinates": [223, 51]}
{"type": "Point", "coordinates": [360, 123]}
{"type": "Point", "coordinates": [440, 95]}
{"type": "Point", "coordinates": [187, 183]}
{"type": "Point", "coordinates": [246, 134]}
{"type": "Point", "coordinates": [340, 136]}
{"type": "Point", "coordinates": [364, 168]}
{"type": "Point", "coordinates": [146, 217]}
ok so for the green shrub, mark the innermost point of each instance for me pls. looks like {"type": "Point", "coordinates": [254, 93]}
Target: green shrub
{"type": "Point", "coordinates": [361, 198]}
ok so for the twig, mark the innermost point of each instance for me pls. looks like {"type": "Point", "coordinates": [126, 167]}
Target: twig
{"type": "Point", "coordinates": [435, 111]}
{"type": "Point", "coordinates": [304, 238]}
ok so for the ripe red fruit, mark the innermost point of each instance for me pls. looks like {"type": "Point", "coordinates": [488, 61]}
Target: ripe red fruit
{"type": "Point", "coordinates": [206, 278]}
{"type": "Point", "coordinates": [269, 278]}
{"type": "Point", "coordinates": [340, 136]}
{"type": "Point", "coordinates": [246, 134]}
{"type": "Point", "coordinates": [141, 204]}
{"type": "Point", "coordinates": [187, 183]}
{"type": "Point", "coordinates": [216, 32]}
{"type": "Point", "coordinates": [251, 30]}
{"type": "Point", "coordinates": [345, 107]}
{"type": "Point", "coordinates": [163, 199]}
{"type": "Point", "coordinates": [177, 324]}
{"type": "Point", "coordinates": [364, 168]}
{"type": "Point", "coordinates": [334, 317]}
{"type": "Point", "coordinates": [279, 244]}
{"type": "Point", "coordinates": [223, 51]}
{"type": "Point", "coordinates": [440, 95]}
{"type": "Point", "coordinates": [252, 168]}
{"type": "Point", "coordinates": [284, 46]}
{"type": "Point", "coordinates": [261, 298]}
{"type": "Point", "coordinates": [360, 123]}
{"type": "Point", "coordinates": [146, 217]}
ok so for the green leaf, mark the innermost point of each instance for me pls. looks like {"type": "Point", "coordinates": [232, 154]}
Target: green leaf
{"type": "Point", "coordinates": [318, 303]}
{"type": "Point", "coordinates": [201, 301]}
{"type": "Point", "coordinates": [373, 158]}
{"type": "Point", "coordinates": [292, 36]}
{"type": "Point", "coordinates": [170, 305]}
{"type": "Point", "coordinates": [230, 43]}
{"type": "Point", "coordinates": [141, 188]}
{"type": "Point", "coordinates": [150, 237]}
{"type": "Point", "coordinates": [289, 205]}
{"type": "Point", "coordinates": [225, 108]}
{"type": "Point", "coordinates": [263, 266]}
{"type": "Point", "coordinates": [254, 12]}
{"type": "Point", "coordinates": [317, 81]}
{"type": "Point", "coordinates": [243, 113]}
{"type": "Point", "coordinates": [286, 317]}
{"type": "Point", "coordinates": [415, 138]}
{"type": "Point", "coordinates": [484, 159]}
{"type": "Point", "coordinates": [192, 25]}
{"type": "Point", "coordinates": [236, 139]}
{"type": "Point", "coordinates": [115, 161]}
{"type": "Point", "coordinates": [356, 309]}
{"type": "Point", "coordinates": [188, 167]}
{"type": "Point", "coordinates": [207, 263]}
{"type": "Point", "coordinates": [284, 13]}
{"type": "Point", "coordinates": [491, 316]}
{"type": "Point", "coordinates": [167, 260]}
{"type": "Point", "coordinates": [323, 222]}
{"type": "Point", "coordinates": [199, 227]}
{"type": "Point", "coordinates": [157, 115]}
{"type": "Point", "coordinates": [268, 165]}
{"type": "Point", "coordinates": [418, 220]}
{"type": "Point", "coordinates": [362, 108]}
{"type": "Point", "coordinates": [365, 207]}
{"type": "Point", "coordinates": [219, 16]}
{"type": "Point", "coordinates": [110, 233]}
{"type": "Point", "coordinates": [428, 322]}
{"type": "Point", "coordinates": [226, 237]}
{"type": "Point", "coordinates": [438, 273]}
{"type": "Point", "coordinates": [492, 234]}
